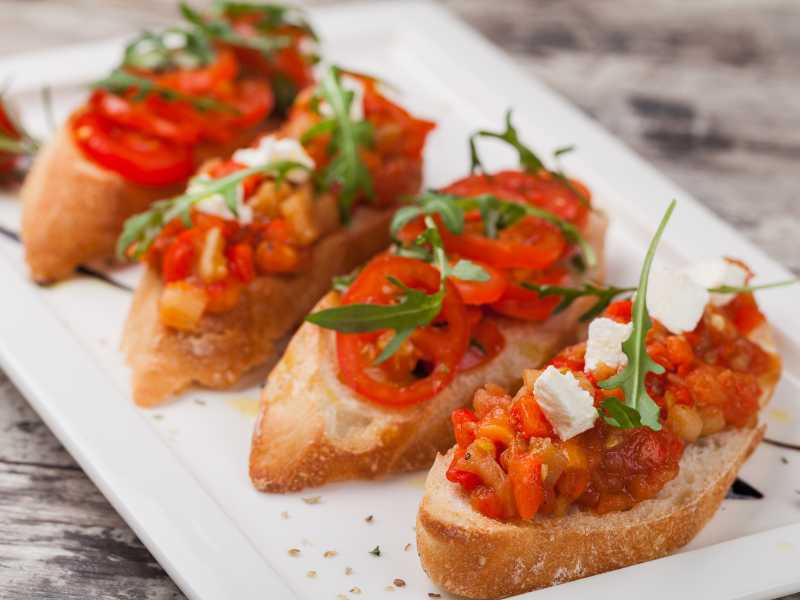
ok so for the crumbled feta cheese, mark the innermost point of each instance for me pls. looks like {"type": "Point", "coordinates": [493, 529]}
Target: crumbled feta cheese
{"type": "Point", "coordinates": [216, 205]}
{"type": "Point", "coordinates": [272, 149]}
{"type": "Point", "coordinates": [569, 408]}
{"type": "Point", "coordinates": [356, 106]}
{"type": "Point", "coordinates": [604, 345]}
{"type": "Point", "coordinates": [716, 272]}
{"type": "Point", "coordinates": [675, 300]}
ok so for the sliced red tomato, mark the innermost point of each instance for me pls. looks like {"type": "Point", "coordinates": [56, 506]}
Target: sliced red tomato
{"type": "Point", "coordinates": [202, 80]}
{"type": "Point", "coordinates": [530, 243]}
{"type": "Point", "coordinates": [437, 348]}
{"type": "Point", "coordinates": [137, 157]}
{"type": "Point", "coordinates": [168, 120]}
{"type": "Point", "coordinates": [521, 303]}
{"type": "Point", "coordinates": [541, 189]}
{"type": "Point", "coordinates": [481, 292]}
{"type": "Point", "coordinates": [254, 101]}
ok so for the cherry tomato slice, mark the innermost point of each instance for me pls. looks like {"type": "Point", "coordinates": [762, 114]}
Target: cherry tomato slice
{"type": "Point", "coordinates": [530, 243]}
{"type": "Point", "coordinates": [169, 120]}
{"type": "Point", "coordinates": [202, 80]}
{"type": "Point", "coordinates": [521, 303]}
{"type": "Point", "coordinates": [137, 157]}
{"type": "Point", "coordinates": [541, 189]}
{"type": "Point", "coordinates": [440, 345]}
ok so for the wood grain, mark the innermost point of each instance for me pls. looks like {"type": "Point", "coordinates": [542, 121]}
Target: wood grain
{"type": "Point", "coordinates": [706, 90]}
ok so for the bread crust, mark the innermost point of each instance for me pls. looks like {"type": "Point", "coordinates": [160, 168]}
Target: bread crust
{"type": "Point", "coordinates": [312, 429]}
{"type": "Point", "coordinates": [73, 209]}
{"type": "Point", "coordinates": [473, 556]}
{"type": "Point", "coordinates": [476, 557]}
{"type": "Point", "coordinates": [225, 346]}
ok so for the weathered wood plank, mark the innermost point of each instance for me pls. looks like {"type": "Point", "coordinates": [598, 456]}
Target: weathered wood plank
{"type": "Point", "coordinates": [706, 90]}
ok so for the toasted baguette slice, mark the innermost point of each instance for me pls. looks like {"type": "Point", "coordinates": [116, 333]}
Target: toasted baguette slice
{"type": "Point", "coordinates": [472, 555]}
{"type": "Point", "coordinates": [73, 210]}
{"type": "Point", "coordinates": [164, 361]}
{"type": "Point", "coordinates": [313, 429]}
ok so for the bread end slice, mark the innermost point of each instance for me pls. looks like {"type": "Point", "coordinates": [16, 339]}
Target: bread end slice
{"type": "Point", "coordinates": [473, 556]}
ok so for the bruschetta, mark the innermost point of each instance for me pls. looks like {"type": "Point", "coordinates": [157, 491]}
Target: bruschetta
{"type": "Point", "coordinates": [366, 386]}
{"type": "Point", "coordinates": [236, 262]}
{"type": "Point", "coordinates": [177, 99]}
{"type": "Point", "coordinates": [618, 452]}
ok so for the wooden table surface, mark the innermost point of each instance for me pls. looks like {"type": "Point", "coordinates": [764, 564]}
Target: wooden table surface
{"type": "Point", "coordinates": [707, 90]}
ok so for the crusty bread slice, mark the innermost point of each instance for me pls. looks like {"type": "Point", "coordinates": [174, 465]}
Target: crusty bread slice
{"type": "Point", "coordinates": [313, 429]}
{"type": "Point", "coordinates": [73, 210]}
{"type": "Point", "coordinates": [225, 346]}
{"type": "Point", "coordinates": [471, 555]}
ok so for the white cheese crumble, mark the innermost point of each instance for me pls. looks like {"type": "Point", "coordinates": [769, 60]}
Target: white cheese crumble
{"type": "Point", "coordinates": [356, 106]}
{"type": "Point", "coordinates": [569, 408]}
{"type": "Point", "coordinates": [675, 300]}
{"type": "Point", "coordinates": [716, 272]}
{"type": "Point", "coordinates": [216, 205]}
{"type": "Point", "coordinates": [604, 345]}
{"type": "Point", "coordinates": [272, 149]}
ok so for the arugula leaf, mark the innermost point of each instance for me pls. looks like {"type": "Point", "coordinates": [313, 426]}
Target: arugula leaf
{"type": "Point", "coordinates": [527, 158]}
{"type": "Point", "coordinates": [141, 230]}
{"type": "Point", "coordinates": [400, 336]}
{"type": "Point", "coordinates": [217, 28]}
{"type": "Point", "coordinates": [414, 309]}
{"type": "Point", "coordinates": [604, 295]}
{"type": "Point", "coordinates": [346, 173]}
{"type": "Point", "coordinates": [504, 213]}
{"type": "Point", "coordinates": [730, 289]}
{"type": "Point", "coordinates": [430, 203]}
{"type": "Point", "coordinates": [151, 52]}
{"type": "Point", "coordinates": [621, 415]}
{"type": "Point", "coordinates": [120, 82]}
{"type": "Point", "coordinates": [631, 380]}
{"type": "Point", "coordinates": [272, 16]}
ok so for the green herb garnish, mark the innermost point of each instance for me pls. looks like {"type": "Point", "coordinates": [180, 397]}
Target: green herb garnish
{"type": "Point", "coordinates": [604, 294]}
{"type": "Point", "coordinates": [414, 309]}
{"type": "Point", "coordinates": [745, 289]}
{"type": "Point", "coordinates": [218, 28]}
{"type": "Point", "coordinates": [528, 159]}
{"type": "Point", "coordinates": [496, 214]}
{"type": "Point", "coordinates": [120, 82]}
{"type": "Point", "coordinates": [638, 408]}
{"type": "Point", "coordinates": [156, 52]}
{"type": "Point", "coordinates": [17, 141]}
{"type": "Point", "coordinates": [270, 16]}
{"type": "Point", "coordinates": [346, 173]}
{"type": "Point", "coordinates": [141, 230]}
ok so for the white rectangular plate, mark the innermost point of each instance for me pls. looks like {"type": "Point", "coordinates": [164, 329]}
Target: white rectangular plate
{"type": "Point", "coordinates": [178, 474]}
